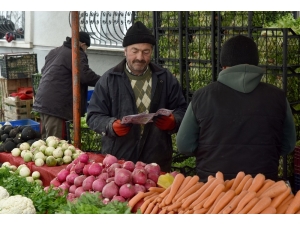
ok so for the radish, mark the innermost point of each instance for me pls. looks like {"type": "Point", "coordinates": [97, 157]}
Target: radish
{"type": "Point", "coordinates": [174, 173]}
{"type": "Point", "coordinates": [105, 201]}
{"type": "Point", "coordinates": [111, 169]}
{"type": "Point", "coordinates": [95, 169]}
{"type": "Point", "coordinates": [129, 165]}
{"type": "Point", "coordinates": [72, 189]}
{"type": "Point", "coordinates": [110, 179]}
{"type": "Point", "coordinates": [110, 190]}
{"type": "Point", "coordinates": [79, 191]}
{"type": "Point", "coordinates": [118, 198]}
{"type": "Point", "coordinates": [140, 164]}
{"type": "Point", "coordinates": [79, 168]}
{"type": "Point", "coordinates": [127, 191]}
{"type": "Point", "coordinates": [86, 169]}
{"type": "Point", "coordinates": [88, 182]}
{"type": "Point", "coordinates": [122, 176]}
{"type": "Point", "coordinates": [69, 166]}
{"type": "Point", "coordinates": [55, 182]}
{"type": "Point", "coordinates": [139, 176]}
{"type": "Point", "coordinates": [153, 168]}
{"type": "Point", "coordinates": [62, 175]}
{"type": "Point", "coordinates": [138, 188]}
{"type": "Point", "coordinates": [83, 158]}
{"type": "Point", "coordinates": [98, 184]}
{"type": "Point", "coordinates": [71, 177]}
{"type": "Point", "coordinates": [103, 176]}
{"type": "Point", "coordinates": [153, 176]}
{"type": "Point", "coordinates": [64, 186]}
{"type": "Point", "coordinates": [109, 160]}
{"type": "Point", "coordinates": [149, 183]}
{"type": "Point", "coordinates": [78, 180]}
{"type": "Point", "coordinates": [71, 197]}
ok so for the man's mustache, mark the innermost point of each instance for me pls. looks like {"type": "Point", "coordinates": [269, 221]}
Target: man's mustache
{"type": "Point", "coordinates": [139, 61]}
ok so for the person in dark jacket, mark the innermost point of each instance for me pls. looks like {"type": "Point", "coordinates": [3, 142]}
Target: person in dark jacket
{"type": "Point", "coordinates": [54, 98]}
{"type": "Point", "coordinates": [135, 86]}
{"type": "Point", "coordinates": [238, 123]}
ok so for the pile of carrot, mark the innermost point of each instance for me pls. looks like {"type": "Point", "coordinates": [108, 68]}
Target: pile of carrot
{"type": "Point", "coordinates": [243, 194]}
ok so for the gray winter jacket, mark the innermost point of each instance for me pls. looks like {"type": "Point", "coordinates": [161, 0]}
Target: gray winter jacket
{"type": "Point", "coordinates": [113, 98]}
{"type": "Point", "coordinates": [54, 95]}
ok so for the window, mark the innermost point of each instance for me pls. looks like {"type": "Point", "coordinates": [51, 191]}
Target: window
{"type": "Point", "coordinates": [13, 23]}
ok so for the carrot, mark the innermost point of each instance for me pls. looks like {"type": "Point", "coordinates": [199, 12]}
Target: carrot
{"type": "Point", "coordinates": [163, 202]}
{"type": "Point", "coordinates": [210, 177]}
{"type": "Point", "coordinates": [233, 204]}
{"type": "Point", "coordinates": [248, 184]}
{"type": "Point", "coordinates": [214, 195]}
{"type": "Point", "coordinates": [157, 189]}
{"type": "Point", "coordinates": [155, 209]}
{"type": "Point", "coordinates": [192, 190]}
{"type": "Point", "coordinates": [171, 212]}
{"type": "Point", "coordinates": [150, 196]}
{"type": "Point", "coordinates": [200, 211]}
{"type": "Point", "coordinates": [191, 198]}
{"type": "Point", "coordinates": [237, 180]}
{"type": "Point", "coordinates": [219, 175]}
{"type": "Point", "coordinates": [285, 204]}
{"type": "Point", "coordinates": [275, 190]}
{"type": "Point", "coordinates": [135, 199]}
{"type": "Point", "coordinates": [198, 205]}
{"type": "Point", "coordinates": [173, 206]}
{"type": "Point", "coordinates": [163, 211]}
{"type": "Point", "coordinates": [295, 204]}
{"type": "Point", "coordinates": [228, 184]}
{"type": "Point", "coordinates": [216, 202]}
{"type": "Point", "coordinates": [249, 206]}
{"type": "Point", "coordinates": [242, 184]}
{"type": "Point", "coordinates": [269, 210]}
{"type": "Point", "coordinates": [262, 203]}
{"type": "Point", "coordinates": [186, 186]}
{"type": "Point", "coordinates": [184, 183]}
{"type": "Point", "coordinates": [257, 182]}
{"type": "Point", "coordinates": [149, 208]}
{"type": "Point", "coordinates": [165, 192]}
{"type": "Point", "coordinates": [178, 180]}
{"type": "Point", "coordinates": [246, 199]}
{"type": "Point", "coordinates": [228, 196]}
{"type": "Point", "coordinates": [268, 183]}
{"type": "Point", "coordinates": [276, 201]}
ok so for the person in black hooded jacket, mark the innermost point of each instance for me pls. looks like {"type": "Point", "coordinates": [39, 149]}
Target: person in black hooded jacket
{"type": "Point", "coordinates": [54, 98]}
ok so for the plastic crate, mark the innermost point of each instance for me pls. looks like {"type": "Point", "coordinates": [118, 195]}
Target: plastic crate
{"type": "Point", "coordinates": [90, 140]}
{"type": "Point", "coordinates": [16, 66]}
{"type": "Point", "coordinates": [25, 122]}
{"type": "Point", "coordinates": [35, 79]}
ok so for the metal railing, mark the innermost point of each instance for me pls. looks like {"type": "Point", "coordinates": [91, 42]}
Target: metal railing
{"type": "Point", "coordinates": [12, 22]}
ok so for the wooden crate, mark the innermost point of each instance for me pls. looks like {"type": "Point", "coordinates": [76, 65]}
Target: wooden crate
{"type": "Point", "coordinates": [15, 109]}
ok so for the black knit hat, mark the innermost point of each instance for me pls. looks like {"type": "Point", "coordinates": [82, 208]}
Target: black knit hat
{"type": "Point", "coordinates": [84, 38]}
{"type": "Point", "coordinates": [138, 33]}
{"type": "Point", "coordinates": [239, 50]}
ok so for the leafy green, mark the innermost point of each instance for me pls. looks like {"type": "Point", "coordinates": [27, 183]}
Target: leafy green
{"type": "Point", "coordinates": [90, 203]}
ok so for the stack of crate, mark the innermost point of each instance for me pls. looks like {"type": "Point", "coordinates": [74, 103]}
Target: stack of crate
{"type": "Point", "coordinates": [15, 72]}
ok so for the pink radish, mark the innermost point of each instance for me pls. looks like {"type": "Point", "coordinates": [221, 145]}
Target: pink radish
{"type": "Point", "coordinates": [149, 183]}
{"type": "Point", "coordinates": [79, 168]}
{"type": "Point", "coordinates": [71, 177]}
{"type": "Point", "coordinates": [110, 190]}
{"type": "Point", "coordinates": [98, 185]}
{"type": "Point", "coordinates": [62, 175]}
{"type": "Point", "coordinates": [139, 176]}
{"type": "Point", "coordinates": [152, 168]}
{"type": "Point", "coordinates": [138, 187]}
{"type": "Point", "coordinates": [83, 158]}
{"type": "Point", "coordinates": [129, 165]}
{"type": "Point", "coordinates": [127, 191]}
{"type": "Point", "coordinates": [118, 198]}
{"type": "Point", "coordinates": [122, 176]}
{"type": "Point", "coordinates": [95, 169]}
{"type": "Point", "coordinates": [88, 182]}
{"type": "Point", "coordinates": [78, 180]}
{"type": "Point", "coordinates": [109, 160]}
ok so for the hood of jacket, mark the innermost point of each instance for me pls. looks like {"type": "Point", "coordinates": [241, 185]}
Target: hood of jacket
{"type": "Point", "coordinates": [243, 78]}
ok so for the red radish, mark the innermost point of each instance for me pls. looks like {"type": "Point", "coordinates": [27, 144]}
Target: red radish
{"type": "Point", "coordinates": [122, 176]}
{"type": "Point", "coordinates": [109, 160]}
{"type": "Point", "coordinates": [129, 165]}
{"type": "Point", "coordinates": [103, 176]}
{"type": "Point", "coordinates": [79, 191]}
{"type": "Point", "coordinates": [62, 175]}
{"type": "Point", "coordinates": [174, 173]}
{"type": "Point", "coordinates": [127, 191]}
{"type": "Point", "coordinates": [118, 198]}
{"type": "Point", "coordinates": [139, 176]}
{"type": "Point", "coordinates": [140, 164]}
{"type": "Point", "coordinates": [95, 169]}
{"type": "Point", "coordinates": [153, 168]}
{"type": "Point", "coordinates": [75, 160]}
{"type": "Point", "coordinates": [88, 182]}
{"type": "Point", "coordinates": [110, 179]}
{"type": "Point", "coordinates": [105, 201]}
{"type": "Point", "coordinates": [111, 170]}
{"type": "Point", "coordinates": [69, 166]}
{"type": "Point", "coordinates": [153, 176]}
{"type": "Point", "coordinates": [64, 186]}
{"type": "Point", "coordinates": [110, 190]}
{"type": "Point", "coordinates": [79, 168]}
{"type": "Point", "coordinates": [83, 158]}
{"type": "Point", "coordinates": [46, 188]}
{"type": "Point", "coordinates": [138, 187]}
{"type": "Point", "coordinates": [72, 189]}
{"type": "Point", "coordinates": [149, 183]}
{"type": "Point", "coordinates": [86, 169]}
{"type": "Point", "coordinates": [55, 182]}
{"type": "Point", "coordinates": [98, 185]}
{"type": "Point", "coordinates": [71, 197]}
{"type": "Point", "coordinates": [78, 180]}
{"type": "Point", "coordinates": [71, 177]}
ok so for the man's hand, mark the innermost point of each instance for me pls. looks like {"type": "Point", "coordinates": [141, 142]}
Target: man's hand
{"type": "Point", "coordinates": [120, 129]}
{"type": "Point", "coordinates": [165, 122]}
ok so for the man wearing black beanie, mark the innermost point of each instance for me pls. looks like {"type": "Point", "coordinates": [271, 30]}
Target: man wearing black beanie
{"type": "Point", "coordinates": [136, 85]}
{"type": "Point", "coordinates": [54, 97]}
{"type": "Point", "coordinates": [238, 123]}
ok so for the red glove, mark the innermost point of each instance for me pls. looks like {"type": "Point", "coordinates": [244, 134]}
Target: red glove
{"type": "Point", "coordinates": [120, 129]}
{"type": "Point", "coordinates": [165, 122]}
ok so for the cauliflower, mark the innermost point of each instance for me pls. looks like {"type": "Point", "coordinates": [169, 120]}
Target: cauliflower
{"type": "Point", "coordinates": [16, 204]}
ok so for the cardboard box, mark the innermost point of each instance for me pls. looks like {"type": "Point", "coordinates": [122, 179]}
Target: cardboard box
{"type": "Point", "coordinates": [14, 108]}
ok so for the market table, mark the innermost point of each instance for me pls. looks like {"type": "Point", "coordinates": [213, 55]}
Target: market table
{"type": "Point", "coordinates": [47, 173]}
